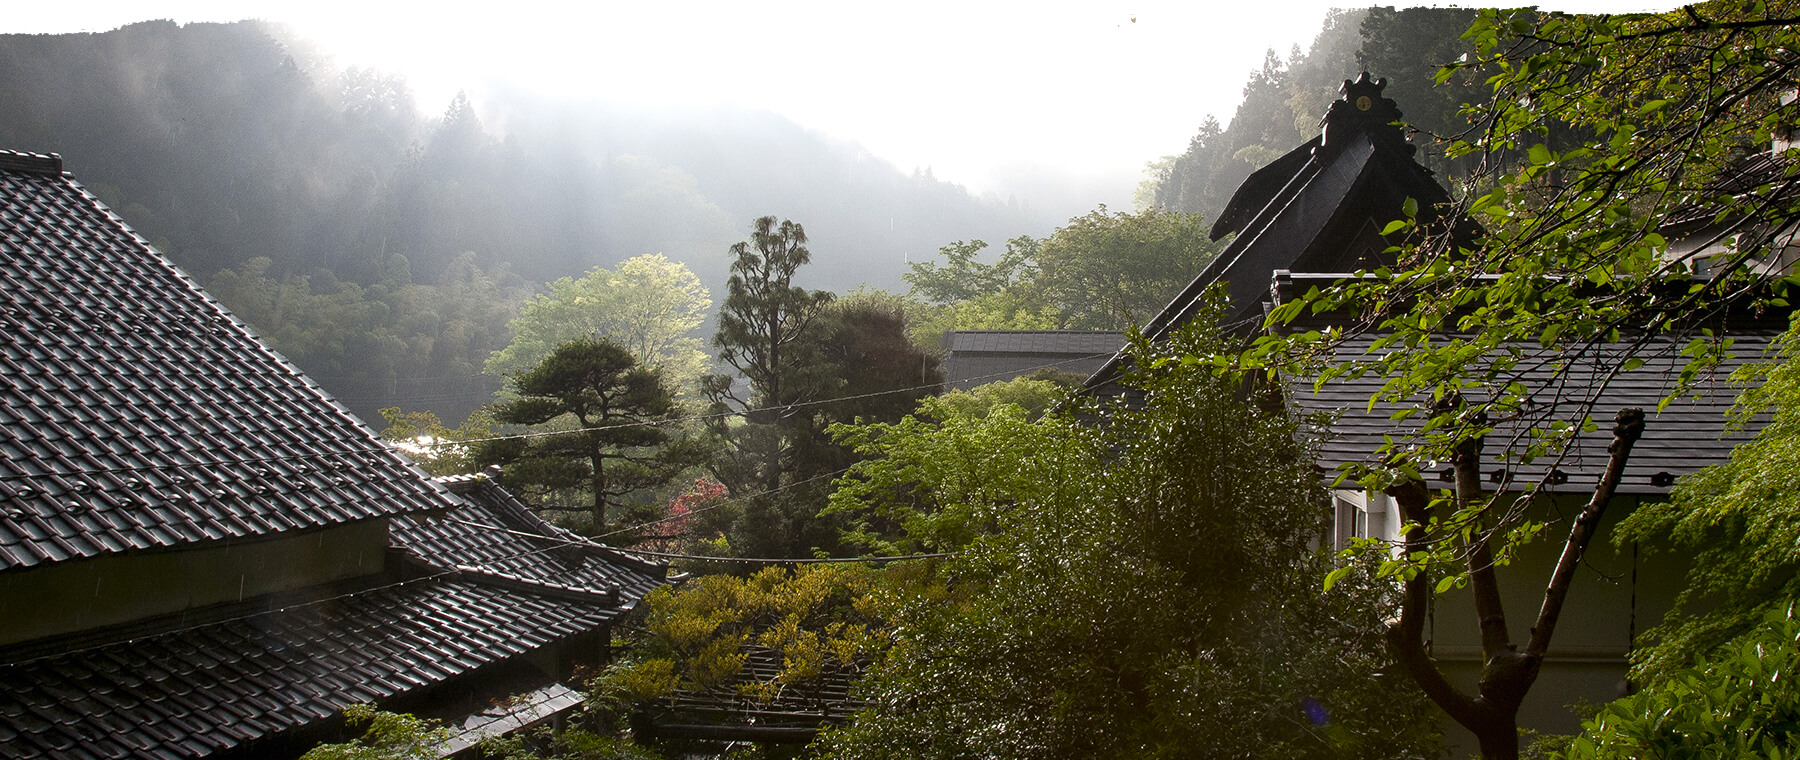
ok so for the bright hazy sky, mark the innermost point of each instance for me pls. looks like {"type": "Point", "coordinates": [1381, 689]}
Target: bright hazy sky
{"type": "Point", "coordinates": [986, 94]}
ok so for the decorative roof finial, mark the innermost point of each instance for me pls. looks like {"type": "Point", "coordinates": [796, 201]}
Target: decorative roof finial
{"type": "Point", "coordinates": [1361, 108]}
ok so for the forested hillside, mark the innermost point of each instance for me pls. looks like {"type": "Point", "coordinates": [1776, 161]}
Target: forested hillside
{"type": "Point", "coordinates": [1285, 99]}
{"type": "Point", "coordinates": [383, 248]}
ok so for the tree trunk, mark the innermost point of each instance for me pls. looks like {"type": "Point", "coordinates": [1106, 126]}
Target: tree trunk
{"type": "Point", "coordinates": [1506, 673]}
{"type": "Point", "coordinates": [1499, 738]}
{"type": "Point", "coordinates": [599, 492]}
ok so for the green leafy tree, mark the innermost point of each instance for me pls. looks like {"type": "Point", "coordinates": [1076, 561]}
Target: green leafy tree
{"type": "Point", "coordinates": [962, 277]}
{"type": "Point", "coordinates": [1740, 523]}
{"type": "Point", "coordinates": [648, 304]}
{"type": "Point", "coordinates": [961, 293]}
{"type": "Point", "coordinates": [616, 434]}
{"type": "Point", "coordinates": [934, 481]}
{"type": "Point", "coordinates": [1034, 394]}
{"type": "Point", "coordinates": [766, 333]}
{"type": "Point", "coordinates": [1572, 255]}
{"type": "Point", "coordinates": [1737, 701]}
{"type": "Point", "coordinates": [1149, 588]}
{"type": "Point", "coordinates": [389, 736]}
{"type": "Point", "coordinates": [877, 369]}
{"type": "Point", "coordinates": [435, 447]}
{"type": "Point", "coordinates": [1107, 271]}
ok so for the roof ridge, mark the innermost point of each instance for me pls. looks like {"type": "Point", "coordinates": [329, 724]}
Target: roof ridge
{"type": "Point", "coordinates": [515, 582]}
{"type": "Point", "coordinates": [50, 164]}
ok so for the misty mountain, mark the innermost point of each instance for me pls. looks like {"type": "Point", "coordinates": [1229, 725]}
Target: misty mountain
{"type": "Point", "coordinates": [231, 144]}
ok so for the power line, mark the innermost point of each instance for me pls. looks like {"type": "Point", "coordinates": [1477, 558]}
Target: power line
{"type": "Point", "coordinates": [674, 555]}
{"type": "Point", "coordinates": [385, 449]}
{"type": "Point", "coordinates": [725, 503]}
{"type": "Point", "coordinates": [780, 561]}
{"type": "Point", "coordinates": [556, 543]}
{"type": "Point", "coordinates": [779, 408]}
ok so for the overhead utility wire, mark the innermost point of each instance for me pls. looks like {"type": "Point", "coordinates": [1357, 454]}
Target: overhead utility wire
{"type": "Point", "coordinates": [584, 543]}
{"type": "Point", "coordinates": [515, 436]}
{"type": "Point", "coordinates": [780, 561]}
{"type": "Point", "coordinates": [729, 415]}
{"type": "Point", "coordinates": [727, 502]}
{"type": "Point", "coordinates": [557, 543]}
{"type": "Point", "coordinates": [295, 606]}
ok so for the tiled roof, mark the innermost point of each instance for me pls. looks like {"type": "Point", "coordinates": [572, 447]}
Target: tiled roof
{"type": "Point", "coordinates": [978, 357]}
{"type": "Point", "coordinates": [205, 689]}
{"type": "Point", "coordinates": [496, 533]}
{"type": "Point", "coordinates": [1689, 434]}
{"type": "Point", "coordinates": [1072, 342]}
{"type": "Point", "coordinates": [732, 710]}
{"type": "Point", "coordinates": [135, 412]}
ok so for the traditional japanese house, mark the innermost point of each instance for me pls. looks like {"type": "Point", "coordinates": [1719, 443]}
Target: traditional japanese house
{"type": "Point", "coordinates": [1312, 218]}
{"type": "Point", "coordinates": [203, 555]}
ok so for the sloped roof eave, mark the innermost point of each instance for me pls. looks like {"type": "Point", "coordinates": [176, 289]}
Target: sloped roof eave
{"type": "Point", "coordinates": [137, 413]}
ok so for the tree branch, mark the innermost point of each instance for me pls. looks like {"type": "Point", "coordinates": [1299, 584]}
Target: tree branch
{"type": "Point", "coordinates": [1626, 430]}
{"type": "Point", "coordinates": [1406, 636]}
{"type": "Point", "coordinates": [1489, 611]}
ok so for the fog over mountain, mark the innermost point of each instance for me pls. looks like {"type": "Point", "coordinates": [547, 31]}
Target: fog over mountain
{"type": "Point", "coordinates": [225, 144]}
{"type": "Point", "coordinates": [225, 141]}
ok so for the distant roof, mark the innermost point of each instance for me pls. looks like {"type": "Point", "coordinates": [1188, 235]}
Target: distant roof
{"type": "Point", "coordinates": [1074, 342]}
{"type": "Point", "coordinates": [136, 412]}
{"type": "Point", "coordinates": [978, 357]}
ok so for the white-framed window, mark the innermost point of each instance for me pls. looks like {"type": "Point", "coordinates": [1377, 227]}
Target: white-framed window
{"type": "Point", "coordinates": [1359, 514]}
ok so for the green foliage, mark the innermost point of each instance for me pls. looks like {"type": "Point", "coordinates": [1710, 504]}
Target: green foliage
{"type": "Point", "coordinates": [1033, 394]}
{"type": "Point", "coordinates": [956, 471]}
{"type": "Point", "coordinates": [392, 342]}
{"type": "Point", "coordinates": [648, 304]}
{"type": "Point", "coordinates": [617, 436]}
{"type": "Point", "coordinates": [1099, 272]}
{"type": "Point", "coordinates": [819, 620]}
{"type": "Point", "coordinates": [1740, 522]}
{"type": "Point", "coordinates": [390, 736]}
{"type": "Point", "coordinates": [962, 278]}
{"type": "Point", "coordinates": [1108, 271]}
{"type": "Point", "coordinates": [1740, 701]}
{"type": "Point", "coordinates": [1015, 309]}
{"type": "Point", "coordinates": [1148, 588]}
{"type": "Point", "coordinates": [432, 445]}
{"type": "Point", "coordinates": [964, 294]}
{"type": "Point", "coordinates": [798, 353]}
